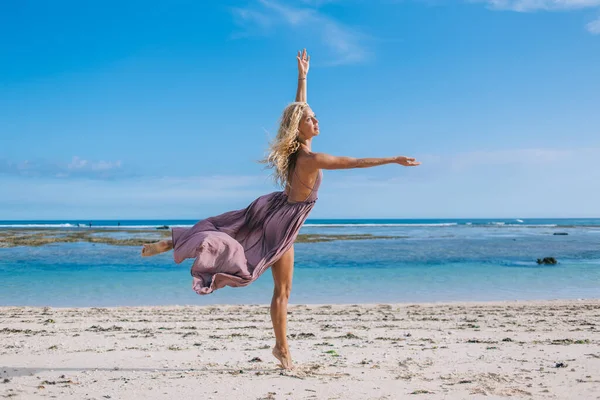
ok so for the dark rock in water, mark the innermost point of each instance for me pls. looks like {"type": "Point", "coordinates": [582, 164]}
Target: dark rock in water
{"type": "Point", "coordinates": [163, 227]}
{"type": "Point", "coordinates": [560, 233]}
{"type": "Point", "coordinates": [547, 260]}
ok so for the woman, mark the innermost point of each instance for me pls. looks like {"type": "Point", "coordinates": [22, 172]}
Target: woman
{"type": "Point", "coordinates": [235, 248]}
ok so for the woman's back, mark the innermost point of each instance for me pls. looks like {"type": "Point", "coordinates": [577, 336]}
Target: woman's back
{"type": "Point", "coordinates": [302, 186]}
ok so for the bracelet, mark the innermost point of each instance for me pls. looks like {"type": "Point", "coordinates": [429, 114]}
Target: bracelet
{"type": "Point", "coordinates": [301, 79]}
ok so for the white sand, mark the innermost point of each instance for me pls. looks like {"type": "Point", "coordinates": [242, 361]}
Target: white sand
{"type": "Point", "coordinates": [432, 351]}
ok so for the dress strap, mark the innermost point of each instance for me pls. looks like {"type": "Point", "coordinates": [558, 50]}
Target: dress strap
{"type": "Point", "coordinates": [299, 180]}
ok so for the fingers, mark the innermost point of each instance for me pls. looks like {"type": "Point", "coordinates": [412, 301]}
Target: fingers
{"type": "Point", "coordinates": [410, 162]}
{"type": "Point", "coordinates": [303, 55]}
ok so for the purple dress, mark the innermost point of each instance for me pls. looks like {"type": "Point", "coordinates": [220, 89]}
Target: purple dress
{"type": "Point", "coordinates": [235, 248]}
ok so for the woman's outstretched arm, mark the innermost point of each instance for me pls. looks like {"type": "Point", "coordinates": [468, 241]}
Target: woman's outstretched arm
{"type": "Point", "coordinates": [327, 161]}
{"type": "Point", "coordinates": [303, 65]}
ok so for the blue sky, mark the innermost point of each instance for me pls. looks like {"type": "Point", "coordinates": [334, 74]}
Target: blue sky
{"type": "Point", "coordinates": [145, 109]}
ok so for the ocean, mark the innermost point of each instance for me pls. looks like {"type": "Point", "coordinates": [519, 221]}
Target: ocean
{"type": "Point", "coordinates": [423, 260]}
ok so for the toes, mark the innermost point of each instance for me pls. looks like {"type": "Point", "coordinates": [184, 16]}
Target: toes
{"type": "Point", "coordinates": [146, 250]}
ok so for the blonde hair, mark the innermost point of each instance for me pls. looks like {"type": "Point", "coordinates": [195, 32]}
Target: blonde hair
{"type": "Point", "coordinates": [282, 150]}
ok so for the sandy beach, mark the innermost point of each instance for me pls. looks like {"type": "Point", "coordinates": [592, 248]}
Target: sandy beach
{"type": "Point", "coordinates": [498, 350]}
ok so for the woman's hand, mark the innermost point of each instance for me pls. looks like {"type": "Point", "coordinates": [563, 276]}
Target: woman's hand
{"type": "Point", "coordinates": [407, 161]}
{"type": "Point", "coordinates": [303, 63]}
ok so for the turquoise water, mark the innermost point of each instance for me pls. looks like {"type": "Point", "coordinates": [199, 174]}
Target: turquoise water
{"type": "Point", "coordinates": [590, 222]}
{"type": "Point", "coordinates": [435, 260]}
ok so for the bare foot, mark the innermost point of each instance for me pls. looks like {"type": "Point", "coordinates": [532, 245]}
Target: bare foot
{"type": "Point", "coordinates": [284, 358]}
{"type": "Point", "coordinates": [153, 249]}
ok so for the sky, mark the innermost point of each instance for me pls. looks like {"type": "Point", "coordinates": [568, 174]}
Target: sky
{"type": "Point", "coordinates": [157, 110]}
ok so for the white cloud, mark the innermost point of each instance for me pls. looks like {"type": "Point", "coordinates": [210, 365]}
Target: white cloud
{"type": "Point", "coordinates": [546, 5]}
{"type": "Point", "coordinates": [319, 3]}
{"type": "Point", "coordinates": [267, 16]}
{"type": "Point", "coordinates": [487, 184]}
{"type": "Point", "coordinates": [77, 163]}
{"type": "Point", "coordinates": [534, 182]}
{"type": "Point", "coordinates": [78, 167]}
{"type": "Point", "coordinates": [534, 5]}
{"type": "Point", "coordinates": [140, 197]}
{"type": "Point", "coordinates": [594, 27]}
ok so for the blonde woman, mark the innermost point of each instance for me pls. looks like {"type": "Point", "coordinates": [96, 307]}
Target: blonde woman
{"type": "Point", "coordinates": [235, 248]}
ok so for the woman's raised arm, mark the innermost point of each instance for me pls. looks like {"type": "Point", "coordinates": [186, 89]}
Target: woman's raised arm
{"type": "Point", "coordinates": [303, 65]}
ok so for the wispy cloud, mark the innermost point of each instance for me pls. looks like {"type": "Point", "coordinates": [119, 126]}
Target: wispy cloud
{"type": "Point", "coordinates": [541, 162]}
{"type": "Point", "coordinates": [267, 17]}
{"type": "Point", "coordinates": [139, 197]}
{"type": "Point", "coordinates": [594, 27]}
{"type": "Point", "coordinates": [320, 3]}
{"type": "Point", "coordinates": [534, 5]}
{"type": "Point", "coordinates": [546, 5]}
{"type": "Point", "coordinates": [535, 182]}
{"type": "Point", "coordinates": [77, 167]}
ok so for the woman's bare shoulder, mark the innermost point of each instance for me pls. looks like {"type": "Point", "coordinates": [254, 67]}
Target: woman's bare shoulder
{"type": "Point", "coordinates": [304, 158]}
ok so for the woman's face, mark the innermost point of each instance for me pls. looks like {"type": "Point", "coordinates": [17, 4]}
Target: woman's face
{"type": "Point", "coordinates": [309, 125]}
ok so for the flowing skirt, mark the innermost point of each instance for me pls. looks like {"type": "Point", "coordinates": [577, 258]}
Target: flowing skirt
{"type": "Point", "coordinates": [235, 248]}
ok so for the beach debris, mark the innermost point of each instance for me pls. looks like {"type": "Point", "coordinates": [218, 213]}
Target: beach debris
{"type": "Point", "coordinates": [25, 331]}
{"type": "Point", "coordinates": [97, 328]}
{"type": "Point", "coordinates": [547, 260]}
{"type": "Point", "coordinates": [481, 341]}
{"type": "Point", "coordinates": [422, 391]}
{"type": "Point", "coordinates": [570, 341]}
{"type": "Point", "coordinates": [256, 359]}
{"type": "Point", "coordinates": [302, 335]}
{"type": "Point", "coordinates": [561, 365]}
{"type": "Point", "coordinates": [332, 352]}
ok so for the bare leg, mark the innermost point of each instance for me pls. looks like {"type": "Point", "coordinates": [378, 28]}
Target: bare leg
{"type": "Point", "coordinates": [153, 249]}
{"type": "Point", "coordinates": [283, 271]}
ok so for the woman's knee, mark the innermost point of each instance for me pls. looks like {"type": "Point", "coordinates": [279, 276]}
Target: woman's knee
{"type": "Point", "coordinates": [282, 292]}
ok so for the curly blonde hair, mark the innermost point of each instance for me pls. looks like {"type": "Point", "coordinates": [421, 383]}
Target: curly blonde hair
{"type": "Point", "coordinates": [282, 150]}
